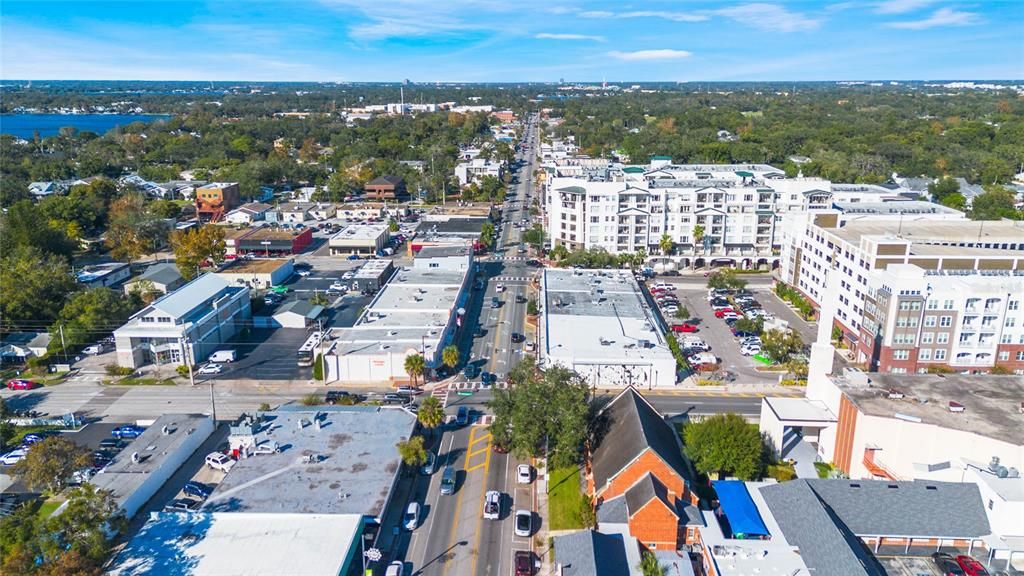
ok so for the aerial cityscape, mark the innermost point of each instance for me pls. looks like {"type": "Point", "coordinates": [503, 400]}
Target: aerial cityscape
{"type": "Point", "coordinates": [341, 288]}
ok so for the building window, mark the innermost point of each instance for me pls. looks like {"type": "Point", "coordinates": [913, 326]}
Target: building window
{"type": "Point", "coordinates": [924, 354]}
{"type": "Point", "coordinates": [1004, 355]}
{"type": "Point", "coordinates": [946, 321]}
{"type": "Point", "coordinates": [942, 338]}
{"type": "Point", "coordinates": [1014, 305]}
{"type": "Point", "coordinates": [927, 337]}
{"type": "Point", "coordinates": [904, 305]}
{"type": "Point", "coordinates": [1020, 356]}
{"type": "Point", "coordinates": [1010, 322]}
{"type": "Point", "coordinates": [933, 305]}
{"type": "Point", "coordinates": [897, 370]}
{"type": "Point", "coordinates": [915, 306]}
{"type": "Point", "coordinates": [900, 354]}
{"type": "Point", "coordinates": [947, 305]}
{"type": "Point", "coordinates": [940, 354]}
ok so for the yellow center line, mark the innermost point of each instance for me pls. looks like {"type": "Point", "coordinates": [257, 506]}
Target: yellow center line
{"type": "Point", "coordinates": [480, 513]}
{"type": "Point", "coordinates": [458, 506]}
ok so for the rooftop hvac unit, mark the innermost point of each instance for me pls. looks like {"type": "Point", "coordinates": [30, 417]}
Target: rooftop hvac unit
{"type": "Point", "coordinates": [955, 407]}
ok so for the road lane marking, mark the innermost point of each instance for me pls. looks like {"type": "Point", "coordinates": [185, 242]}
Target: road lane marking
{"type": "Point", "coordinates": [480, 514]}
{"type": "Point", "coordinates": [455, 517]}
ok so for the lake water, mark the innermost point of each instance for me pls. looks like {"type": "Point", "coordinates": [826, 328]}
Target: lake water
{"type": "Point", "coordinates": [25, 125]}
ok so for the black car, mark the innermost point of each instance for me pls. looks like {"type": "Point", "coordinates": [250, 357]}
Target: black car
{"type": "Point", "coordinates": [396, 399]}
{"type": "Point", "coordinates": [517, 338]}
{"type": "Point", "coordinates": [462, 416]}
{"type": "Point", "coordinates": [947, 564]}
{"type": "Point", "coordinates": [111, 444]}
{"type": "Point", "coordinates": [479, 332]}
{"type": "Point", "coordinates": [337, 397]}
{"type": "Point", "coordinates": [183, 505]}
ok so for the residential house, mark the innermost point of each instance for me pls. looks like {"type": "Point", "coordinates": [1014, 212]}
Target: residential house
{"type": "Point", "coordinates": [293, 212]}
{"type": "Point", "coordinates": [160, 278]}
{"type": "Point", "coordinates": [323, 211]}
{"type": "Point", "coordinates": [385, 188]}
{"type": "Point", "coordinates": [18, 347]}
{"type": "Point", "coordinates": [186, 325]}
{"type": "Point", "coordinates": [103, 275]}
{"type": "Point", "coordinates": [969, 191]}
{"type": "Point", "coordinates": [248, 213]}
{"type": "Point", "coordinates": [43, 189]}
{"type": "Point", "coordinates": [476, 169]}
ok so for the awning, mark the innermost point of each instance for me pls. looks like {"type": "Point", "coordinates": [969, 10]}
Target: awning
{"type": "Point", "coordinates": [744, 519]}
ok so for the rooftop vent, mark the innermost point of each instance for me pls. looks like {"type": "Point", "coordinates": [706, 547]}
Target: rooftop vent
{"type": "Point", "coordinates": [894, 394]}
{"type": "Point", "coordinates": [955, 407]}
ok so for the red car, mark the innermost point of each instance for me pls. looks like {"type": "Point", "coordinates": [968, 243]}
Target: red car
{"type": "Point", "coordinates": [21, 384]}
{"type": "Point", "coordinates": [684, 328]}
{"type": "Point", "coordinates": [971, 566]}
{"type": "Point", "coordinates": [720, 313]}
{"type": "Point", "coordinates": [523, 563]}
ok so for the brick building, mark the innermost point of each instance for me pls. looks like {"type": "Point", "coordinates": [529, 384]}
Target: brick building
{"type": "Point", "coordinates": [385, 188]}
{"type": "Point", "coordinates": [216, 199]}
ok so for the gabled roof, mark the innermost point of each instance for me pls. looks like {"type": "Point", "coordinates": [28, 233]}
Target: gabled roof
{"type": "Point", "coordinates": [179, 303]}
{"type": "Point", "coordinates": [919, 508]}
{"type": "Point", "coordinates": [164, 273]}
{"type": "Point", "coordinates": [646, 489]}
{"type": "Point", "coordinates": [302, 308]}
{"type": "Point", "coordinates": [387, 180]}
{"type": "Point", "coordinates": [825, 544]}
{"type": "Point", "coordinates": [591, 553]}
{"type": "Point", "coordinates": [632, 426]}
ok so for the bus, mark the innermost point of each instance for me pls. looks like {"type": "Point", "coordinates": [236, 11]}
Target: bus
{"type": "Point", "coordinates": [308, 350]}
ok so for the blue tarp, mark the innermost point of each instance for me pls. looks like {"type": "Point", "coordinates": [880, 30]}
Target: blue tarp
{"type": "Point", "coordinates": [739, 509]}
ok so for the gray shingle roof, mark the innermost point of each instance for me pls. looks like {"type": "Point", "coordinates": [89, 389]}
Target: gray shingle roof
{"type": "Point", "coordinates": [590, 553]}
{"type": "Point", "coordinates": [646, 489]}
{"type": "Point", "coordinates": [632, 426]}
{"type": "Point", "coordinates": [164, 274]}
{"type": "Point", "coordinates": [826, 546]}
{"type": "Point", "coordinates": [920, 508]}
{"type": "Point", "coordinates": [613, 511]}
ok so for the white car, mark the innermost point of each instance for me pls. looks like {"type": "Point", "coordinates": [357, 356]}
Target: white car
{"type": "Point", "coordinates": [396, 568]}
{"type": "Point", "coordinates": [500, 288]}
{"type": "Point", "coordinates": [524, 523]}
{"type": "Point", "coordinates": [13, 457]}
{"type": "Point", "coordinates": [524, 474]}
{"type": "Point", "coordinates": [492, 505]}
{"type": "Point", "coordinates": [219, 461]}
{"type": "Point", "coordinates": [339, 286]}
{"type": "Point", "coordinates": [211, 369]}
{"type": "Point", "coordinates": [411, 520]}
{"type": "Point", "coordinates": [302, 272]}
{"type": "Point", "coordinates": [750, 350]}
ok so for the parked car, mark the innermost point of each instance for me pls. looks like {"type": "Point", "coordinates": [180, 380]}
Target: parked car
{"type": "Point", "coordinates": [93, 350]}
{"type": "Point", "coordinates": [110, 443]}
{"type": "Point", "coordinates": [337, 396]}
{"type": "Point", "coordinates": [947, 564]}
{"type": "Point", "coordinates": [197, 489]}
{"type": "Point", "coordinates": [750, 350]}
{"type": "Point", "coordinates": [211, 368]}
{"type": "Point", "coordinates": [183, 505]}
{"type": "Point", "coordinates": [524, 523]}
{"type": "Point", "coordinates": [411, 520]}
{"type": "Point", "coordinates": [665, 286]}
{"type": "Point", "coordinates": [470, 371]}
{"type": "Point", "coordinates": [517, 338]}
{"type": "Point", "coordinates": [127, 431]}
{"type": "Point", "coordinates": [340, 286]}
{"type": "Point", "coordinates": [219, 461]}
{"type": "Point", "coordinates": [353, 257]}
{"type": "Point", "coordinates": [523, 562]}
{"type": "Point", "coordinates": [524, 474]}
{"type": "Point", "coordinates": [21, 384]}
{"type": "Point", "coordinates": [400, 399]}
{"type": "Point", "coordinates": [971, 566]}
{"type": "Point", "coordinates": [530, 346]}
{"type": "Point", "coordinates": [396, 568]}
{"type": "Point", "coordinates": [479, 332]}
{"type": "Point", "coordinates": [303, 272]}
{"type": "Point", "coordinates": [462, 416]}
{"type": "Point", "coordinates": [409, 390]}
{"type": "Point", "coordinates": [492, 505]}
{"type": "Point", "coordinates": [14, 456]}
{"type": "Point", "coordinates": [429, 465]}
{"type": "Point", "coordinates": [222, 356]}
{"type": "Point", "coordinates": [684, 328]}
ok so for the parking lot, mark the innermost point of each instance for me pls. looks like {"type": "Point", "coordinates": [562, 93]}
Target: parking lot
{"type": "Point", "coordinates": [717, 335]}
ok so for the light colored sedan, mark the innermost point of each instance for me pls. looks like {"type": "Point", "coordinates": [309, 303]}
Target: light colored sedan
{"type": "Point", "coordinates": [13, 457]}
{"type": "Point", "coordinates": [524, 475]}
{"type": "Point", "coordinates": [211, 369]}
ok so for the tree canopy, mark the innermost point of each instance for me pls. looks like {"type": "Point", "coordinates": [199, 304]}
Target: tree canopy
{"type": "Point", "coordinates": [725, 443]}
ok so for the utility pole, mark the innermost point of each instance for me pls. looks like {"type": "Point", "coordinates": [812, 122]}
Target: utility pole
{"type": "Point", "coordinates": [187, 359]}
{"type": "Point", "coordinates": [63, 347]}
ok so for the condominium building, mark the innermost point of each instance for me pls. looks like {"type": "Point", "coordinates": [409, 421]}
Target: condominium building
{"type": "Point", "coordinates": [476, 169]}
{"type": "Point", "coordinates": [967, 320]}
{"type": "Point", "coordinates": [851, 242]}
{"type": "Point", "coordinates": [722, 213]}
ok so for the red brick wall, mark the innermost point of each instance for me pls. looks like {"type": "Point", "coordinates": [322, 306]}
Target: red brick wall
{"type": "Point", "coordinates": [655, 526]}
{"type": "Point", "coordinates": [885, 361]}
{"type": "Point", "coordinates": [647, 462]}
{"type": "Point", "coordinates": [1012, 364]}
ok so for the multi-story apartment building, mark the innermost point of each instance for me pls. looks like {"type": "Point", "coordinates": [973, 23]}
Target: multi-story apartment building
{"type": "Point", "coordinates": [967, 320]}
{"type": "Point", "coordinates": [216, 199]}
{"type": "Point", "coordinates": [851, 241]}
{"type": "Point", "coordinates": [714, 214]}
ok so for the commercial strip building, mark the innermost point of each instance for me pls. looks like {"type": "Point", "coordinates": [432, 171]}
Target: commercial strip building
{"type": "Point", "coordinates": [372, 275]}
{"type": "Point", "coordinates": [269, 242]}
{"type": "Point", "coordinates": [850, 245]}
{"type": "Point", "coordinates": [363, 239]}
{"type": "Point", "coordinates": [185, 325]}
{"type": "Point", "coordinates": [445, 230]}
{"type": "Point", "coordinates": [417, 312]}
{"type": "Point", "coordinates": [307, 506]}
{"type": "Point", "coordinates": [141, 468]}
{"type": "Point", "coordinates": [261, 273]}
{"type": "Point", "coordinates": [598, 323]}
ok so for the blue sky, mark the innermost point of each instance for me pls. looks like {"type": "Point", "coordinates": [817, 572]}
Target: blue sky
{"type": "Point", "coordinates": [520, 40]}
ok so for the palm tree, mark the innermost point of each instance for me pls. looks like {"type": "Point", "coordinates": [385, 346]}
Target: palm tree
{"type": "Point", "coordinates": [698, 236]}
{"type": "Point", "coordinates": [431, 414]}
{"type": "Point", "coordinates": [666, 244]}
{"type": "Point", "coordinates": [415, 366]}
{"type": "Point", "coordinates": [450, 356]}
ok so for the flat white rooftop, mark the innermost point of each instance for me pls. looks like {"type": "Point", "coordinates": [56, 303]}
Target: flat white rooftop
{"type": "Point", "coordinates": [800, 409]}
{"type": "Point", "coordinates": [240, 544]}
{"type": "Point", "coordinates": [599, 315]}
{"type": "Point", "coordinates": [359, 232]}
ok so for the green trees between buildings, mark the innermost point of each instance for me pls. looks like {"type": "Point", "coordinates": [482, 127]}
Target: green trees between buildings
{"type": "Point", "coordinates": [197, 248]}
{"type": "Point", "coordinates": [542, 412]}
{"type": "Point", "coordinates": [450, 356]}
{"type": "Point", "coordinates": [725, 444]}
{"type": "Point", "coordinates": [487, 235]}
{"type": "Point", "coordinates": [415, 365]}
{"type": "Point", "coordinates": [726, 279]}
{"type": "Point", "coordinates": [412, 451]}
{"type": "Point", "coordinates": [780, 345]}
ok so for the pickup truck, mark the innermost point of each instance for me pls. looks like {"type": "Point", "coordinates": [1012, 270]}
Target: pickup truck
{"type": "Point", "coordinates": [492, 505]}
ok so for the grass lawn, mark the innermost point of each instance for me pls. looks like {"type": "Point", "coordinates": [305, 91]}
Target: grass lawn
{"type": "Point", "coordinates": [564, 499]}
{"type": "Point", "coordinates": [48, 507]}
{"type": "Point", "coordinates": [140, 382]}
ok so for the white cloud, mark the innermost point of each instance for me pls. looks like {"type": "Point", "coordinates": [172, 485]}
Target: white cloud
{"type": "Point", "coordinates": [673, 16]}
{"type": "Point", "coordinates": [402, 18]}
{"type": "Point", "coordinates": [548, 36]}
{"type": "Point", "coordinates": [941, 17]}
{"type": "Point", "coordinates": [646, 55]}
{"type": "Point", "coordinates": [900, 6]}
{"type": "Point", "coordinates": [769, 17]}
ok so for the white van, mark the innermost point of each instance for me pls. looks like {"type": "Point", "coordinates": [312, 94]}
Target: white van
{"type": "Point", "coordinates": [223, 356]}
{"type": "Point", "coordinates": [691, 340]}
